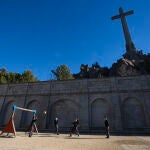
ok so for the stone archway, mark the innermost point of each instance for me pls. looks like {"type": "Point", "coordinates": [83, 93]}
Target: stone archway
{"type": "Point", "coordinates": [28, 115]}
{"type": "Point", "coordinates": [99, 108]}
{"type": "Point", "coordinates": [66, 111]}
{"type": "Point", "coordinates": [133, 114]}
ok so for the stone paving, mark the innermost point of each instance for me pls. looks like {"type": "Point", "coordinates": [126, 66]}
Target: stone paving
{"type": "Point", "coordinates": [45, 141]}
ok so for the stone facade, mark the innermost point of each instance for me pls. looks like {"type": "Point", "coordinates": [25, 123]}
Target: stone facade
{"type": "Point", "coordinates": [125, 100]}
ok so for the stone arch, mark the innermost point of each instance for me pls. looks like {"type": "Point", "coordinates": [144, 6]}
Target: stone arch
{"type": "Point", "coordinates": [8, 111]}
{"type": "Point", "coordinates": [133, 113]}
{"type": "Point", "coordinates": [99, 108]}
{"type": "Point", "coordinates": [66, 110]}
{"type": "Point", "coordinates": [28, 115]}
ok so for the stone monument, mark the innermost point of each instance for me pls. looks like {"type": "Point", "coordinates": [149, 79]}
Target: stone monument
{"type": "Point", "coordinates": [131, 52]}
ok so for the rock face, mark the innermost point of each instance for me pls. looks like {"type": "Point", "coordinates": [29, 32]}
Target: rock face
{"type": "Point", "coordinates": [95, 71]}
{"type": "Point", "coordinates": [124, 67]}
{"type": "Point", "coordinates": [127, 67]}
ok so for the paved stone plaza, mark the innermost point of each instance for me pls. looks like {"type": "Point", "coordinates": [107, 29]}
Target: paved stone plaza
{"type": "Point", "coordinates": [45, 141]}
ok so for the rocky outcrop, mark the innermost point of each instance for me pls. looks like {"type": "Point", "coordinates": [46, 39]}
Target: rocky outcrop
{"type": "Point", "coordinates": [124, 67]}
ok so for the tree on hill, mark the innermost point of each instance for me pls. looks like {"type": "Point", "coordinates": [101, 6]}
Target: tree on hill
{"type": "Point", "coordinates": [62, 72]}
{"type": "Point", "coordinates": [3, 74]}
{"type": "Point", "coordinates": [3, 71]}
{"type": "Point", "coordinates": [13, 77]}
{"type": "Point", "coordinates": [28, 76]}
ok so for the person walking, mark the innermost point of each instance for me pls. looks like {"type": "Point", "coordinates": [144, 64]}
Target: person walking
{"type": "Point", "coordinates": [56, 125]}
{"type": "Point", "coordinates": [106, 126]}
{"type": "Point", "coordinates": [33, 125]}
{"type": "Point", "coordinates": [74, 129]}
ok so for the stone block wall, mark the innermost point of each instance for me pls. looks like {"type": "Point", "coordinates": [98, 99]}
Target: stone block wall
{"type": "Point", "coordinates": [125, 100]}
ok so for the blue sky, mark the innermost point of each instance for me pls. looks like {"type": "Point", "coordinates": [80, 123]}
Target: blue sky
{"type": "Point", "coordinates": [41, 34]}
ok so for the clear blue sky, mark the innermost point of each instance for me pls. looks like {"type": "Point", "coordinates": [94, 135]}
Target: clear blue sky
{"type": "Point", "coordinates": [41, 34]}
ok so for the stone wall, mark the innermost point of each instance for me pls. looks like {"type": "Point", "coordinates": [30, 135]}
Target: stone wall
{"type": "Point", "coordinates": [125, 100]}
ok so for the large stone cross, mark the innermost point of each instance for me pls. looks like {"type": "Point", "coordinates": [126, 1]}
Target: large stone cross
{"type": "Point", "coordinates": [130, 48]}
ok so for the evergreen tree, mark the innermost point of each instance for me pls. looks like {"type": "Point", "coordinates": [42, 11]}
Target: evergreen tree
{"type": "Point", "coordinates": [62, 72]}
{"type": "Point", "coordinates": [28, 76]}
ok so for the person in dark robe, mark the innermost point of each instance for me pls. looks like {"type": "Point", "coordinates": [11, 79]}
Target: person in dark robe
{"type": "Point", "coordinates": [33, 125]}
{"type": "Point", "coordinates": [74, 129]}
{"type": "Point", "coordinates": [106, 127]}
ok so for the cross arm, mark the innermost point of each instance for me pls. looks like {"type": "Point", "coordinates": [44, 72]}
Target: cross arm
{"type": "Point", "coordinates": [122, 14]}
{"type": "Point", "coordinates": [116, 17]}
{"type": "Point", "coordinates": [129, 13]}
